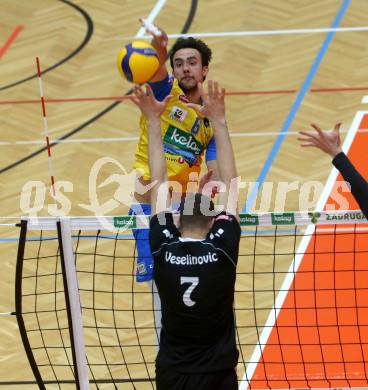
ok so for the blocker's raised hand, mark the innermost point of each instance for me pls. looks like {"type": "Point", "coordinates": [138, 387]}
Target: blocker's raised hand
{"type": "Point", "coordinates": [207, 186]}
{"type": "Point", "coordinates": [213, 102]}
{"type": "Point", "coordinates": [327, 141]}
{"type": "Point", "coordinates": [151, 108]}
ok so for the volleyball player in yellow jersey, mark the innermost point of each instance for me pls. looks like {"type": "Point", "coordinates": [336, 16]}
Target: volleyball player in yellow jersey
{"type": "Point", "coordinates": [188, 138]}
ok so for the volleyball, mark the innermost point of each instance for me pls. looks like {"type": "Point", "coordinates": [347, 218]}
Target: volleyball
{"type": "Point", "coordinates": [138, 62]}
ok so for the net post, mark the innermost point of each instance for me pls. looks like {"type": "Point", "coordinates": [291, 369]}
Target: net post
{"type": "Point", "coordinates": [73, 303]}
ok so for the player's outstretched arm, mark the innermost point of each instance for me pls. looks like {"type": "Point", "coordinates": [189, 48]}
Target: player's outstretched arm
{"type": "Point", "coordinates": [213, 108]}
{"type": "Point", "coordinates": [330, 143]}
{"type": "Point", "coordinates": [152, 110]}
{"type": "Point", "coordinates": [159, 42]}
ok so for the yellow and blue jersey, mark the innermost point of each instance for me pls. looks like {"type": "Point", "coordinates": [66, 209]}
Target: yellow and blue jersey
{"type": "Point", "coordinates": [187, 136]}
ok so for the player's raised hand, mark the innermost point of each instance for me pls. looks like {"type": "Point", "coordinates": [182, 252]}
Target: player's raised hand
{"type": "Point", "coordinates": [151, 108]}
{"type": "Point", "coordinates": [158, 34]}
{"type": "Point", "coordinates": [327, 141]}
{"type": "Point", "coordinates": [213, 106]}
{"type": "Point", "coordinates": [207, 186]}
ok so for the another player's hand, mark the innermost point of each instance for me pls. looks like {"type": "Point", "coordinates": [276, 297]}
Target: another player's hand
{"type": "Point", "coordinates": [207, 186]}
{"type": "Point", "coordinates": [151, 108]}
{"type": "Point", "coordinates": [327, 141]}
{"type": "Point", "coordinates": [213, 106]}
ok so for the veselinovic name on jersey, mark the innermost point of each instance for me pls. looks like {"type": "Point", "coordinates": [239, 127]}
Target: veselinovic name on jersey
{"type": "Point", "coordinates": [191, 260]}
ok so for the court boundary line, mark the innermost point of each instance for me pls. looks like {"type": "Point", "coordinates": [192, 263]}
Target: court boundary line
{"type": "Point", "coordinates": [229, 93]}
{"type": "Point", "coordinates": [294, 266]}
{"type": "Point", "coordinates": [10, 40]}
{"type": "Point", "coordinates": [215, 34]}
{"type": "Point", "coordinates": [254, 134]}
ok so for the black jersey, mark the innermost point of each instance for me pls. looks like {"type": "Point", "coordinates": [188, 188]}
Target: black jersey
{"type": "Point", "coordinates": [195, 281]}
{"type": "Point", "coordinates": [359, 187]}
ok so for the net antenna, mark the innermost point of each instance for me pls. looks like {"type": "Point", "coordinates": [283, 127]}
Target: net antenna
{"type": "Point", "coordinates": [45, 125]}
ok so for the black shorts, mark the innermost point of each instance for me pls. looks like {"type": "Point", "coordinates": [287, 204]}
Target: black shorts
{"type": "Point", "coordinates": [167, 379]}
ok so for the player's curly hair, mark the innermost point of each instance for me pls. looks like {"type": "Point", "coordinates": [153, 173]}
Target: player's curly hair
{"type": "Point", "coordinates": [192, 43]}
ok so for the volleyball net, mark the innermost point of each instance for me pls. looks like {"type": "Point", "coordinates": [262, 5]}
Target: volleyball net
{"type": "Point", "coordinates": [301, 302]}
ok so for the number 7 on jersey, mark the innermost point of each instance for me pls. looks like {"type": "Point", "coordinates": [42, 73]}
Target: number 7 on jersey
{"type": "Point", "coordinates": [194, 281]}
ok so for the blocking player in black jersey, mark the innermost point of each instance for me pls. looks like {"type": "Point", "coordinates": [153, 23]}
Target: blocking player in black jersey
{"type": "Point", "coordinates": [330, 143]}
{"type": "Point", "coordinates": [194, 263]}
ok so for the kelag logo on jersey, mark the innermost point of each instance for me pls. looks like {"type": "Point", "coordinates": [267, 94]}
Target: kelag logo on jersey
{"type": "Point", "coordinates": [180, 143]}
{"type": "Point", "coordinates": [182, 140]}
